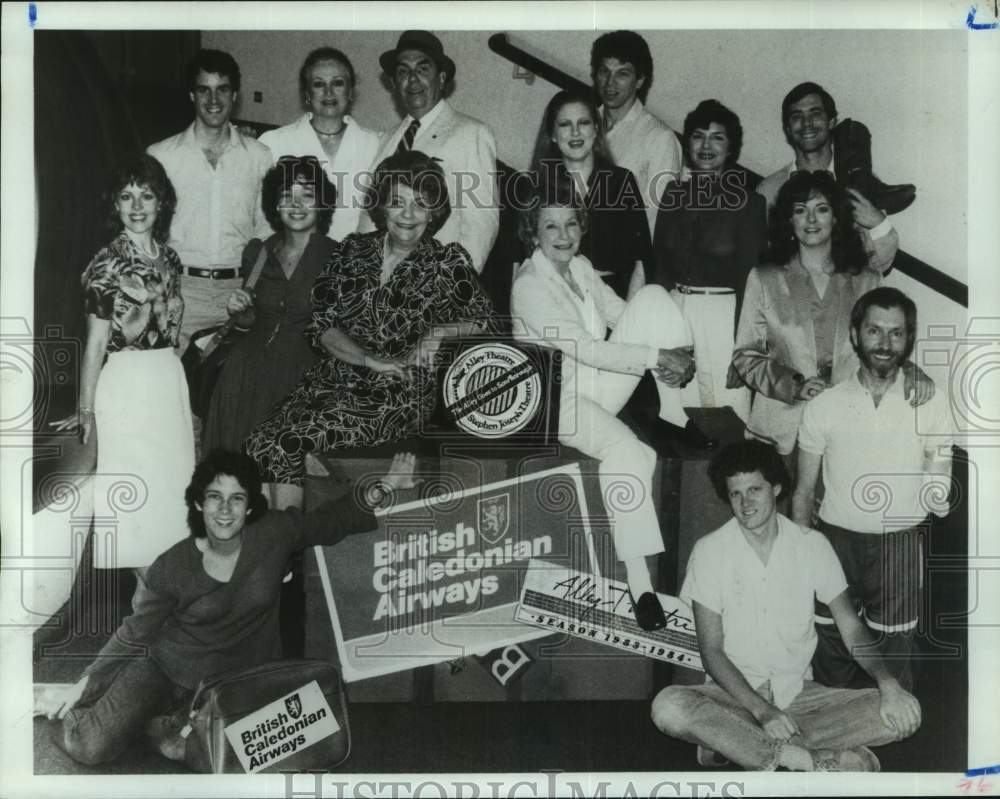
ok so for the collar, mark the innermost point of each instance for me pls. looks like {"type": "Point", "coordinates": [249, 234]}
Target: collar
{"type": "Point", "coordinates": [305, 121]}
{"type": "Point", "coordinates": [832, 167]}
{"type": "Point", "coordinates": [235, 137]}
{"type": "Point", "coordinates": [633, 114]}
{"type": "Point", "coordinates": [577, 266]}
{"type": "Point", "coordinates": [427, 119]}
{"type": "Point", "coordinates": [857, 386]}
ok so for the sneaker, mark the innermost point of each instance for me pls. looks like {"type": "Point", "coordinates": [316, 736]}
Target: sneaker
{"type": "Point", "coordinates": [710, 758]}
{"type": "Point", "coordinates": [164, 733]}
{"type": "Point", "coordinates": [860, 759]}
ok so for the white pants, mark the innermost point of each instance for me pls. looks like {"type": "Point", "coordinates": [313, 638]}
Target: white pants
{"type": "Point", "coordinates": [711, 318]}
{"type": "Point", "coordinates": [590, 424]}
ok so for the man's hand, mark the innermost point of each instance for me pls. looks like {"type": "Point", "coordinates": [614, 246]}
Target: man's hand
{"type": "Point", "coordinates": [865, 214]}
{"type": "Point", "coordinates": [393, 367]}
{"type": "Point", "coordinates": [899, 709]}
{"type": "Point", "coordinates": [675, 367]}
{"type": "Point", "coordinates": [776, 724]}
{"type": "Point", "coordinates": [400, 474]}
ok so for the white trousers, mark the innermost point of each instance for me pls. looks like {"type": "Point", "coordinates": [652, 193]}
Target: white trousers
{"type": "Point", "coordinates": [711, 318]}
{"type": "Point", "coordinates": [204, 304]}
{"type": "Point", "coordinates": [590, 424]}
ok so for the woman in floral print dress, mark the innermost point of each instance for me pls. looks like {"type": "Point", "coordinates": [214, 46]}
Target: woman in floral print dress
{"type": "Point", "coordinates": [381, 309]}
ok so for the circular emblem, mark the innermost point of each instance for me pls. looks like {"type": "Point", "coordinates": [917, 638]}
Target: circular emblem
{"type": "Point", "coordinates": [492, 390]}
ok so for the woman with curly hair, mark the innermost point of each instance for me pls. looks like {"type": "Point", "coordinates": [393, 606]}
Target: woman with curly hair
{"type": "Point", "coordinates": [267, 363]}
{"type": "Point", "coordinates": [133, 393]}
{"type": "Point", "coordinates": [381, 309]}
{"type": "Point", "coordinates": [793, 337]}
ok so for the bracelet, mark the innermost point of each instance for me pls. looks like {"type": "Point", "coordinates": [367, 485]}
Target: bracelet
{"type": "Point", "coordinates": [82, 410]}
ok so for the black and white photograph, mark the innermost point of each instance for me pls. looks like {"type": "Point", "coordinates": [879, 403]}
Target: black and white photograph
{"type": "Point", "coordinates": [500, 399]}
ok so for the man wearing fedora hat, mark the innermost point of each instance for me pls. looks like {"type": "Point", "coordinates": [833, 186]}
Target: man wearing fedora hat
{"type": "Point", "coordinates": [419, 70]}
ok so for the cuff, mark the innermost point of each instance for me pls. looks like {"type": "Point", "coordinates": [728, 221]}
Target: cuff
{"type": "Point", "coordinates": [653, 358]}
{"type": "Point", "coordinates": [881, 230]}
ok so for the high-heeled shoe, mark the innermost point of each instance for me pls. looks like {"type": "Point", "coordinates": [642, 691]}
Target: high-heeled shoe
{"type": "Point", "coordinates": [648, 611]}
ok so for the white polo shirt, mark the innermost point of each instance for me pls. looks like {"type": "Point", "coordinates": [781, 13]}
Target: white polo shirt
{"type": "Point", "coordinates": [767, 611]}
{"type": "Point", "coordinates": [873, 457]}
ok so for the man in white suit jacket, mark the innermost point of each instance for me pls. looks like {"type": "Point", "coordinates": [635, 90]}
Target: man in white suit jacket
{"type": "Point", "coordinates": [465, 147]}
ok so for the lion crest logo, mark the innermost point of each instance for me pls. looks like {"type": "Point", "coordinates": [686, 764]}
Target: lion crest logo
{"type": "Point", "coordinates": [494, 517]}
{"type": "Point", "coordinates": [294, 706]}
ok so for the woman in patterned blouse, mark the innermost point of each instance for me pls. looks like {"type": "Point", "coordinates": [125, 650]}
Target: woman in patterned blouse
{"type": "Point", "coordinates": [381, 309]}
{"type": "Point", "coordinates": [133, 393]}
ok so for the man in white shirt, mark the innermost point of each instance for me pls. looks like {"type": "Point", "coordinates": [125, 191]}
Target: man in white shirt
{"type": "Point", "coordinates": [886, 466]}
{"type": "Point", "coordinates": [808, 118]}
{"type": "Point", "coordinates": [621, 67]}
{"type": "Point", "coordinates": [419, 70]}
{"type": "Point", "coordinates": [216, 172]}
{"type": "Point", "coordinates": [752, 584]}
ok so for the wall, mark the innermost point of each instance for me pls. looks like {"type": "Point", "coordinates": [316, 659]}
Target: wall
{"type": "Point", "coordinates": [909, 87]}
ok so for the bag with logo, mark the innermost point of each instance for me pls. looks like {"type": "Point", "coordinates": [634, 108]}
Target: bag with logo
{"type": "Point", "coordinates": [208, 350]}
{"type": "Point", "coordinates": [289, 715]}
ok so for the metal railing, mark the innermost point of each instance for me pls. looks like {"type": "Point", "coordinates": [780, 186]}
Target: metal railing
{"type": "Point", "coordinates": [946, 285]}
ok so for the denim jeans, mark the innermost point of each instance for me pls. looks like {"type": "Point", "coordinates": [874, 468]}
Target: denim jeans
{"type": "Point", "coordinates": [829, 718]}
{"type": "Point", "coordinates": [114, 708]}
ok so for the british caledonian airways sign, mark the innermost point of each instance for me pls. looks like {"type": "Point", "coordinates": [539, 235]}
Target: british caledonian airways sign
{"type": "Point", "coordinates": [441, 578]}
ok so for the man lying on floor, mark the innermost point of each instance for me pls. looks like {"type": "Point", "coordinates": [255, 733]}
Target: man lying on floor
{"type": "Point", "coordinates": [206, 606]}
{"type": "Point", "coordinates": [752, 585]}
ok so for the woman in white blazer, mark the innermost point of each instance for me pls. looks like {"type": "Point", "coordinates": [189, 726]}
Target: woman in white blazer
{"type": "Point", "coordinates": [559, 300]}
{"type": "Point", "coordinates": [327, 132]}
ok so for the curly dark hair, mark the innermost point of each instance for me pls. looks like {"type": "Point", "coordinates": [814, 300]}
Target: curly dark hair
{"type": "Point", "coordinates": [304, 169]}
{"type": "Point", "coordinates": [624, 46]}
{"type": "Point", "coordinates": [418, 172]}
{"type": "Point", "coordinates": [746, 457]}
{"type": "Point", "coordinates": [323, 54]}
{"type": "Point", "coordinates": [555, 193]}
{"type": "Point", "coordinates": [213, 62]}
{"type": "Point", "coordinates": [707, 112]}
{"type": "Point", "coordinates": [142, 170]}
{"type": "Point", "coordinates": [847, 249]}
{"type": "Point", "coordinates": [547, 152]}
{"type": "Point", "coordinates": [222, 462]}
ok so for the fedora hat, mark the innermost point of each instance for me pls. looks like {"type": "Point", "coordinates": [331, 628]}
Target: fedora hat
{"type": "Point", "coordinates": [425, 42]}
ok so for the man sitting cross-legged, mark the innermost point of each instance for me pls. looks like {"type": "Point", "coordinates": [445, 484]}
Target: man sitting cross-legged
{"type": "Point", "coordinates": [752, 584]}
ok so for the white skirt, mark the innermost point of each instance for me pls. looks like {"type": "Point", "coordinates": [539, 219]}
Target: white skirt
{"type": "Point", "coordinates": [145, 457]}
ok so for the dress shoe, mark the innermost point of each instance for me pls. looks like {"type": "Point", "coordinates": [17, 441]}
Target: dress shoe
{"type": "Point", "coordinates": [852, 149]}
{"type": "Point", "coordinates": [648, 611]}
{"type": "Point", "coordinates": [688, 436]}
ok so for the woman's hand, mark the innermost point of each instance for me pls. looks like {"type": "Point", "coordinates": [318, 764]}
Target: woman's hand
{"type": "Point", "coordinates": [238, 302]}
{"type": "Point", "coordinates": [811, 388]}
{"type": "Point", "coordinates": [918, 387]}
{"type": "Point", "coordinates": [56, 703]}
{"type": "Point", "coordinates": [426, 351]}
{"type": "Point", "coordinates": [82, 421]}
{"type": "Point", "coordinates": [381, 366]}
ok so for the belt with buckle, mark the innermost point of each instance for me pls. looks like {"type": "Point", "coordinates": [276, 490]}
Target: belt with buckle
{"type": "Point", "coordinates": [703, 289]}
{"type": "Point", "coordinates": [214, 274]}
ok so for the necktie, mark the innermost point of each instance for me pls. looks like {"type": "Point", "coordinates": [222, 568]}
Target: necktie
{"type": "Point", "coordinates": [406, 143]}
